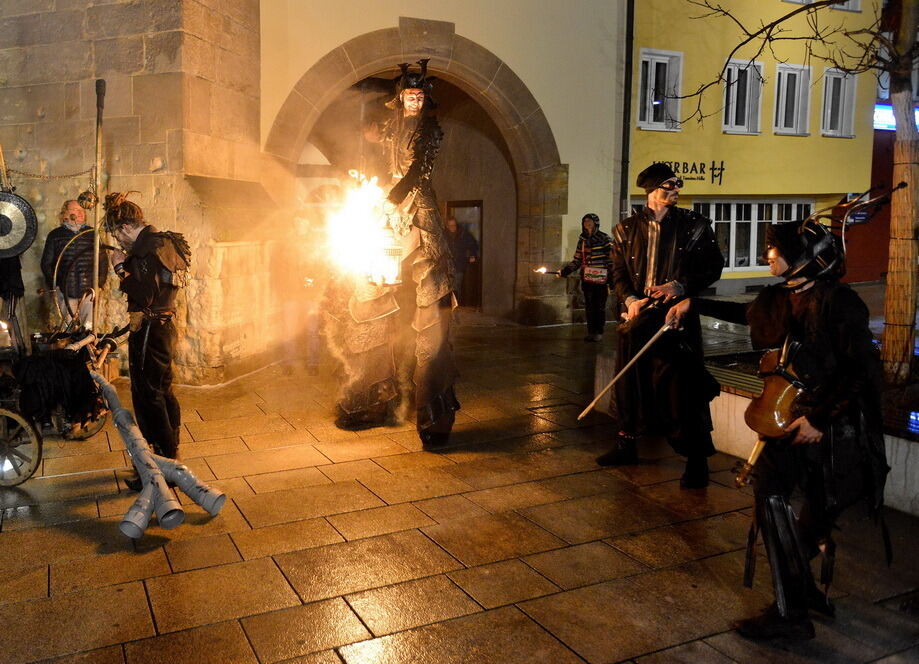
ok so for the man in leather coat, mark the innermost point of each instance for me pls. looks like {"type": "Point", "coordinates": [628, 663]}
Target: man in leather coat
{"type": "Point", "coordinates": [661, 254]}
{"type": "Point", "coordinates": [394, 340]}
{"type": "Point", "coordinates": [834, 451]}
{"type": "Point", "coordinates": [151, 269]}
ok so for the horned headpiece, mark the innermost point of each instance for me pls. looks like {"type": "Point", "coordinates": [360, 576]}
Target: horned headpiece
{"type": "Point", "coordinates": [413, 80]}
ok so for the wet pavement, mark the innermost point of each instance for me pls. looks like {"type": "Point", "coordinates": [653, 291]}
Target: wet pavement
{"type": "Point", "coordinates": [511, 545]}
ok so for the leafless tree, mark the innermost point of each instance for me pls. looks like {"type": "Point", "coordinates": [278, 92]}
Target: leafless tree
{"type": "Point", "coordinates": [888, 48]}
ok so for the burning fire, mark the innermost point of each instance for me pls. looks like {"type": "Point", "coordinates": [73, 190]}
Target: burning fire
{"type": "Point", "coordinates": [360, 239]}
{"type": "Point", "coordinates": [541, 270]}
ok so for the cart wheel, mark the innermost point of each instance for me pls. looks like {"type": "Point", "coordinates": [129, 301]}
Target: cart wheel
{"type": "Point", "coordinates": [20, 448]}
{"type": "Point", "coordinates": [89, 429]}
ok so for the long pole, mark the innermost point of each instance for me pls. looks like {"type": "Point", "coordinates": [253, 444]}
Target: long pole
{"type": "Point", "coordinates": [97, 176]}
{"type": "Point", "coordinates": [628, 366]}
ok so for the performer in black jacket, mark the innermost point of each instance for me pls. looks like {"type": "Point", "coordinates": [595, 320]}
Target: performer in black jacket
{"type": "Point", "coordinates": [151, 271]}
{"type": "Point", "coordinates": [661, 254]}
{"type": "Point", "coordinates": [394, 340]}
{"type": "Point", "coordinates": [592, 259]}
{"type": "Point", "coordinates": [834, 452]}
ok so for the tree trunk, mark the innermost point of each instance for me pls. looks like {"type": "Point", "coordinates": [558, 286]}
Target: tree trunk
{"type": "Point", "coordinates": [900, 300]}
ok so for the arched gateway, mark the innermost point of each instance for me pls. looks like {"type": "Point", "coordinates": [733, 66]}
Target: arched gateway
{"type": "Point", "coordinates": [542, 181]}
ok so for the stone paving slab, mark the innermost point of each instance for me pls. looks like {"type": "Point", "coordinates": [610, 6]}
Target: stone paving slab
{"type": "Point", "coordinates": [628, 617]}
{"type": "Point", "coordinates": [595, 517]}
{"type": "Point", "coordinates": [411, 604]}
{"type": "Point", "coordinates": [583, 565]}
{"type": "Point", "coordinates": [220, 643]}
{"type": "Point", "coordinates": [339, 569]}
{"type": "Point", "coordinates": [108, 570]}
{"type": "Point", "coordinates": [285, 538]}
{"type": "Point", "coordinates": [683, 542]}
{"type": "Point", "coordinates": [268, 509]}
{"type": "Point", "coordinates": [505, 582]}
{"type": "Point", "coordinates": [379, 521]}
{"type": "Point", "coordinates": [48, 514]}
{"type": "Point", "coordinates": [23, 584]}
{"type": "Point", "coordinates": [54, 626]}
{"type": "Point", "coordinates": [214, 594]}
{"type": "Point", "coordinates": [201, 552]}
{"type": "Point", "coordinates": [493, 637]}
{"type": "Point", "coordinates": [416, 484]}
{"type": "Point", "coordinates": [301, 630]}
{"type": "Point", "coordinates": [109, 655]}
{"type": "Point", "coordinates": [487, 539]}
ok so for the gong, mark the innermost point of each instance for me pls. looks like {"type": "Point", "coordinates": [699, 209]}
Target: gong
{"type": "Point", "coordinates": [18, 225]}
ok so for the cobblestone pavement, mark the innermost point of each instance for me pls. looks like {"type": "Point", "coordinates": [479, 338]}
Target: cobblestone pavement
{"type": "Point", "coordinates": [510, 546]}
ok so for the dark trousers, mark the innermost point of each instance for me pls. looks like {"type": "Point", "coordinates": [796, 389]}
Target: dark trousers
{"type": "Point", "coordinates": [595, 306]}
{"type": "Point", "coordinates": [792, 540]}
{"type": "Point", "coordinates": [156, 408]}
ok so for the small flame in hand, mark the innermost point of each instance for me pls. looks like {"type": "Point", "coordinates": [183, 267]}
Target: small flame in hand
{"type": "Point", "coordinates": [541, 270]}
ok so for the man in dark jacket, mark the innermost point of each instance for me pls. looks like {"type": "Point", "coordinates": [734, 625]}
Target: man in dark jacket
{"type": "Point", "coordinates": [592, 258]}
{"type": "Point", "coordinates": [465, 251]}
{"type": "Point", "coordinates": [834, 451]}
{"type": "Point", "coordinates": [152, 268]}
{"type": "Point", "coordinates": [75, 273]}
{"type": "Point", "coordinates": [661, 254]}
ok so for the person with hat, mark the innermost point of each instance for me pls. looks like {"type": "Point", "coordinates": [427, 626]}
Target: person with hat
{"type": "Point", "coordinates": [393, 340]}
{"type": "Point", "coordinates": [833, 454]}
{"type": "Point", "coordinates": [151, 268]}
{"type": "Point", "coordinates": [661, 254]}
{"type": "Point", "coordinates": [592, 259]}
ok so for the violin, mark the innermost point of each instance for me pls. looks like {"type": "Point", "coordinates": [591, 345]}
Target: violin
{"type": "Point", "coordinates": [773, 410]}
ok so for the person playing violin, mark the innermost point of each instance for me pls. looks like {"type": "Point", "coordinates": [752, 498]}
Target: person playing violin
{"type": "Point", "coordinates": [834, 448]}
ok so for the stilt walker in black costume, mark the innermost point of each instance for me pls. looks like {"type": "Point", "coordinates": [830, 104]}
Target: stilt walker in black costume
{"type": "Point", "coordinates": [394, 340]}
{"type": "Point", "coordinates": [834, 449]}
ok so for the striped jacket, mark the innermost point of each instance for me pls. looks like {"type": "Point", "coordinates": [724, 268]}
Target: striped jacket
{"type": "Point", "coordinates": [594, 250]}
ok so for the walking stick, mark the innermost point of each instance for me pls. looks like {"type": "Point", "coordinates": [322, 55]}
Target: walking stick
{"type": "Point", "coordinates": [634, 359]}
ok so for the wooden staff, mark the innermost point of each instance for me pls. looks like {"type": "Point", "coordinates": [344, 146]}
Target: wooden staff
{"type": "Point", "coordinates": [634, 359]}
{"type": "Point", "coordinates": [97, 173]}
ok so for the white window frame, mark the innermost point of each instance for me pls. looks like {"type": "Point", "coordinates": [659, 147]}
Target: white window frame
{"type": "Point", "coordinates": [802, 94]}
{"type": "Point", "coordinates": [671, 101]}
{"type": "Point", "coordinates": [849, 6]}
{"type": "Point", "coordinates": [754, 221]}
{"type": "Point", "coordinates": [753, 90]}
{"type": "Point", "coordinates": [846, 121]}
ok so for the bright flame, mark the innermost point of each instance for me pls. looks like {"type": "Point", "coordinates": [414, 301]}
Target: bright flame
{"type": "Point", "coordinates": [361, 241]}
{"type": "Point", "coordinates": [541, 270]}
{"type": "Point", "coordinates": [3, 325]}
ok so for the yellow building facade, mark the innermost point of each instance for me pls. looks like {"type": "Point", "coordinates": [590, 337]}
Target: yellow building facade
{"type": "Point", "coordinates": [788, 136]}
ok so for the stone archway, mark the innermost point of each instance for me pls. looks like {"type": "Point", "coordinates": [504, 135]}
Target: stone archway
{"type": "Point", "coordinates": [542, 180]}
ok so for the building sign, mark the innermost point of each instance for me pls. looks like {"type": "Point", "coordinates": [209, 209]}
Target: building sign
{"type": "Point", "coordinates": [884, 118]}
{"type": "Point", "coordinates": [701, 171]}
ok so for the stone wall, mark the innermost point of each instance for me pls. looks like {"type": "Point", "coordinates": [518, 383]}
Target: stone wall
{"type": "Point", "coordinates": [181, 127]}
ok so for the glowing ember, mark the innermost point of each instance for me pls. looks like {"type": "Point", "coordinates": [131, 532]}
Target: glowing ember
{"type": "Point", "coordinates": [361, 241]}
